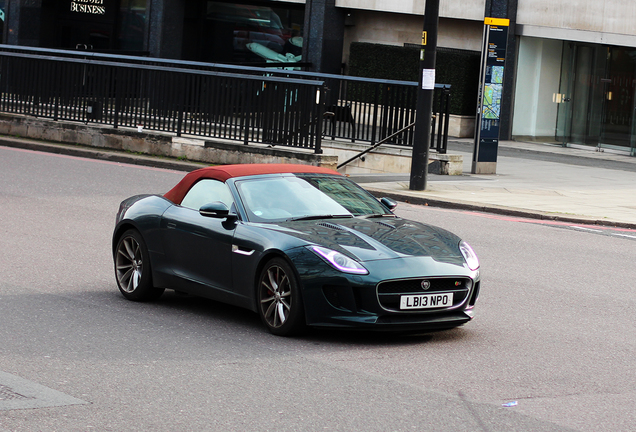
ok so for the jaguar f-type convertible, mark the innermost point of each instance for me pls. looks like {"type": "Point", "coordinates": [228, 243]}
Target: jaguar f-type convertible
{"type": "Point", "coordinates": [300, 245]}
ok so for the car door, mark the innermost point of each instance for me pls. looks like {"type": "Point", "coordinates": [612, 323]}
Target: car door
{"type": "Point", "coordinates": [198, 247]}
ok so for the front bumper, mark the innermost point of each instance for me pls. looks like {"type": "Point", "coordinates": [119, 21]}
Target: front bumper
{"type": "Point", "coordinates": [340, 300]}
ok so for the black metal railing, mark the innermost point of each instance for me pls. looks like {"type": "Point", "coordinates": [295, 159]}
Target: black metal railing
{"type": "Point", "coordinates": [248, 104]}
{"type": "Point", "coordinates": [177, 100]}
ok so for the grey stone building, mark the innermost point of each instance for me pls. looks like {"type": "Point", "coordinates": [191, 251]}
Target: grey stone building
{"type": "Point", "coordinates": [572, 75]}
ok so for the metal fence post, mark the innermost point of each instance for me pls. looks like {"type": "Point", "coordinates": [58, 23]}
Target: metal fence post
{"type": "Point", "coordinates": [117, 84]}
{"type": "Point", "coordinates": [181, 107]}
{"type": "Point", "coordinates": [447, 92]}
{"type": "Point", "coordinates": [440, 120]}
{"type": "Point", "coordinates": [322, 95]}
{"type": "Point", "coordinates": [433, 126]}
{"type": "Point", "coordinates": [247, 110]}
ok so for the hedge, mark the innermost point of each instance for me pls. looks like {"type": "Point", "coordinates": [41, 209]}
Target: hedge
{"type": "Point", "coordinates": [459, 68]}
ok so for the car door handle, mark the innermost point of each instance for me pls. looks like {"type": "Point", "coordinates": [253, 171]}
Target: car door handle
{"type": "Point", "coordinates": [172, 225]}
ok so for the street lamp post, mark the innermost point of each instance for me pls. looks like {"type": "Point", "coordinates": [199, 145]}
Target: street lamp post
{"type": "Point", "coordinates": [425, 94]}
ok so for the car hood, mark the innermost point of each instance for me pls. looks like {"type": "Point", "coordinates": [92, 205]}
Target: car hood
{"type": "Point", "coordinates": [377, 238]}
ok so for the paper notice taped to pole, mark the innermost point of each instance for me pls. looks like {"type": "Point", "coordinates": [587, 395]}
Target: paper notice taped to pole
{"type": "Point", "coordinates": [428, 79]}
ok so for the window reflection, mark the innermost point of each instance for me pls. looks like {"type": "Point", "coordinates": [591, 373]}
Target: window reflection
{"type": "Point", "coordinates": [255, 33]}
{"type": "Point", "coordinates": [132, 25]}
{"type": "Point", "coordinates": [3, 8]}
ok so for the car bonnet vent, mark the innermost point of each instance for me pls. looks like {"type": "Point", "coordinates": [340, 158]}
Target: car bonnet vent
{"type": "Point", "coordinates": [331, 226]}
{"type": "Point", "coordinates": [385, 224]}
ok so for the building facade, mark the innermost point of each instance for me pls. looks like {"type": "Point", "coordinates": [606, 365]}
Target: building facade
{"type": "Point", "coordinates": [571, 76]}
{"type": "Point", "coordinates": [574, 68]}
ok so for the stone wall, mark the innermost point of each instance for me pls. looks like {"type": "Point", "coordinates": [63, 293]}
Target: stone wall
{"type": "Point", "coordinates": [384, 159]}
{"type": "Point", "coordinates": [157, 143]}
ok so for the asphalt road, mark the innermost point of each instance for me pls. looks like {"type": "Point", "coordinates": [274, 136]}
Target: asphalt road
{"type": "Point", "coordinates": [554, 336]}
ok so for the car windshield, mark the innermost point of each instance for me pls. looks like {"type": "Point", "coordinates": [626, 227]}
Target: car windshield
{"type": "Point", "coordinates": [305, 196]}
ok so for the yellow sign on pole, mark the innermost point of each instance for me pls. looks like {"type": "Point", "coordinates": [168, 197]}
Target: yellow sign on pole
{"type": "Point", "coordinates": [497, 22]}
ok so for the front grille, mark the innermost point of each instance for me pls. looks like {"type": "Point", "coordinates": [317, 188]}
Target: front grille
{"type": "Point", "coordinates": [389, 292]}
{"type": "Point", "coordinates": [414, 286]}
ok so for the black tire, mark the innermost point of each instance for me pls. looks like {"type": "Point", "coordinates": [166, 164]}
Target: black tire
{"type": "Point", "coordinates": [280, 303]}
{"type": "Point", "coordinates": [132, 268]}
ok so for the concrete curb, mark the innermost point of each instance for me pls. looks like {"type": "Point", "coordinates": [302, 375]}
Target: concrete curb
{"type": "Point", "coordinates": [107, 155]}
{"type": "Point", "coordinates": [166, 163]}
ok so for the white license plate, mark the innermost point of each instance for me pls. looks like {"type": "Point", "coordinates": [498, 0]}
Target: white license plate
{"type": "Point", "coordinates": [426, 301]}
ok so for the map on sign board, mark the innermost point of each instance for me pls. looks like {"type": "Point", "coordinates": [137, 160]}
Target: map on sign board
{"type": "Point", "coordinates": [496, 74]}
{"type": "Point", "coordinates": [492, 101]}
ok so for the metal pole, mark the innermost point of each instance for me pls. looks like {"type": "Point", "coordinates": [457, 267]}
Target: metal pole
{"type": "Point", "coordinates": [424, 107]}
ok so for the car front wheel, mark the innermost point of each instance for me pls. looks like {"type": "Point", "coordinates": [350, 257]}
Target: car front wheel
{"type": "Point", "coordinates": [280, 304]}
{"type": "Point", "coordinates": [132, 268]}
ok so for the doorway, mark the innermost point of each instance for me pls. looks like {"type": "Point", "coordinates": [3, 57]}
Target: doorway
{"type": "Point", "coordinates": [596, 96]}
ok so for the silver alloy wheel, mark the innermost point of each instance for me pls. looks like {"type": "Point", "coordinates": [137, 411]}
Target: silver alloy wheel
{"type": "Point", "coordinates": [129, 264]}
{"type": "Point", "coordinates": [276, 296]}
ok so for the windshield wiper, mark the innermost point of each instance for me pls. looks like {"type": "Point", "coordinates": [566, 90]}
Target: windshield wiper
{"type": "Point", "coordinates": [313, 217]}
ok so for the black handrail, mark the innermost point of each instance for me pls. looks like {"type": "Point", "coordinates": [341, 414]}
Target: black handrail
{"type": "Point", "coordinates": [373, 147]}
{"type": "Point", "coordinates": [362, 109]}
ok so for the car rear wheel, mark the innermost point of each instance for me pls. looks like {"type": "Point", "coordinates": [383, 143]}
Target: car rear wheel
{"type": "Point", "coordinates": [280, 303]}
{"type": "Point", "coordinates": [132, 268]}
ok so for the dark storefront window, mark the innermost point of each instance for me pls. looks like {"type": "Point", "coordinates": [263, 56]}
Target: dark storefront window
{"type": "Point", "coordinates": [254, 33]}
{"type": "Point", "coordinates": [81, 24]}
{"type": "Point", "coordinates": [94, 25]}
{"type": "Point", "coordinates": [132, 25]}
{"type": "Point", "coordinates": [3, 16]}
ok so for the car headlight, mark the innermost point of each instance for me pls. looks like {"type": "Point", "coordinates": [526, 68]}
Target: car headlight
{"type": "Point", "coordinates": [339, 261]}
{"type": "Point", "coordinates": [469, 255]}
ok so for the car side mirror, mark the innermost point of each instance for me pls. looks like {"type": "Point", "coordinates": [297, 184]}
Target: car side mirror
{"type": "Point", "coordinates": [215, 209]}
{"type": "Point", "coordinates": [388, 202]}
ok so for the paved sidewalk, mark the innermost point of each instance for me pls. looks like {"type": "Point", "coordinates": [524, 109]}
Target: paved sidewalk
{"type": "Point", "coordinates": [578, 185]}
{"type": "Point", "coordinates": [536, 180]}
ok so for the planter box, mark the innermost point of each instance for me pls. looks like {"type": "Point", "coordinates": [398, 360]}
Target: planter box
{"type": "Point", "coordinates": [461, 126]}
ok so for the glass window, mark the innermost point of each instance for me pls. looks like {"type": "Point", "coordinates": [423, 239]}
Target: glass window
{"type": "Point", "coordinates": [304, 196]}
{"type": "Point", "coordinates": [3, 8]}
{"type": "Point", "coordinates": [245, 33]}
{"type": "Point", "coordinates": [207, 191]}
{"type": "Point", "coordinates": [598, 106]}
{"type": "Point", "coordinates": [132, 25]}
{"type": "Point", "coordinates": [348, 194]}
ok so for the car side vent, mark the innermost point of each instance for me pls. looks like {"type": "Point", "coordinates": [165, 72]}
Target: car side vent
{"type": "Point", "coordinates": [331, 226]}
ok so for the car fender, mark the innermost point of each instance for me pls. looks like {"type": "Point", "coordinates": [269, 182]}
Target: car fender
{"type": "Point", "coordinates": [254, 245]}
{"type": "Point", "coordinates": [143, 213]}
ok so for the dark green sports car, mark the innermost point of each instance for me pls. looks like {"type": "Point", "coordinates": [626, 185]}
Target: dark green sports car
{"type": "Point", "coordinates": [300, 245]}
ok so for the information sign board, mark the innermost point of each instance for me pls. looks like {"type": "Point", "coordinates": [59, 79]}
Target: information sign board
{"type": "Point", "coordinates": [493, 61]}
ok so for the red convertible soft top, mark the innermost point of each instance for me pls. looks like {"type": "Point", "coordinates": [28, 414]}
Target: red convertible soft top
{"type": "Point", "coordinates": [225, 172]}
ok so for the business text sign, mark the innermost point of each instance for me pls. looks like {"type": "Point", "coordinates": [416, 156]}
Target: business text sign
{"type": "Point", "coordinates": [93, 7]}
